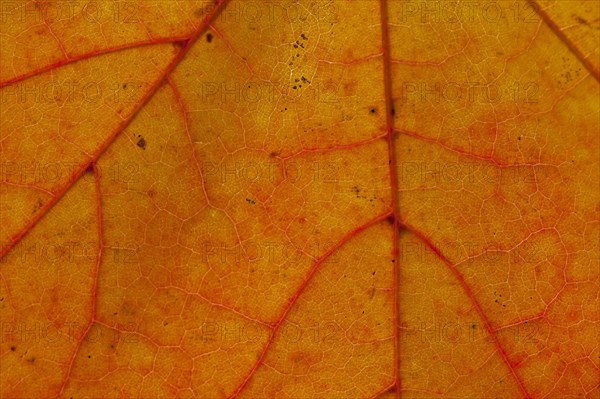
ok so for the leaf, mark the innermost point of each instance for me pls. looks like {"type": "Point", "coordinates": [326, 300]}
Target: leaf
{"type": "Point", "coordinates": [294, 199]}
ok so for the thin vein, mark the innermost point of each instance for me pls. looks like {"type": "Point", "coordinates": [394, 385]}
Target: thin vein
{"type": "Point", "coordinates": [467, 289]}
{"type": "Point", "coordinates": [107, 143]}
{"type": "Point", "coordinates": [297, 294]}
{"type": "Point", "coordinates": [561, 35]}
{"type": "Point", "coordinates": [389, 105]}
{"type": "Point", "coordinates": [93, 305]}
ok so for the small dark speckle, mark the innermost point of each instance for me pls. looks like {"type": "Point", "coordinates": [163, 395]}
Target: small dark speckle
{"type": "Point", "coordinates": [580, 20]}
{"type": "Point", "coordinates": [89, 356]}
{"type": "Point", "coordinates": [303, 36]}
{"type": "Point", "coordinates": [12, 348]}
{"type": "Point", "coordinates": [393, 111]}
{"type": "Point", "coordinates": [373, 273]}
{"type": "Point", "coordinates": [141, 143]}
{"type": "Point", "coordinates": [38, 206]}
{"type": "Point", "coordinates": [125, 86]}
{"type": "Point", "coordinates": [209, 37]}
{"type": "Point", "coordinates": [519, 138]}
{"type": "Point", "coordinates": [390, 219]}
{"type": "Point", "coordinates": [31, 360]}
{"type": "Point", "coordinates": [373, 110]}
{"type": "Point", "coordinates": [250, 201]}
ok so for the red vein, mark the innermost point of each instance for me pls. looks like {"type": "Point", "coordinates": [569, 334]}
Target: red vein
{"type": "Point", "coordinates": [81, 57]}
{"type": "Point", "coordinates": [333, 147]}
{"type": "Point", "coordinates": [77, 174]}
{"type": "Point", "coordinates": [184, 112]}
{"type": "Point", "coordinates": [467, 289]}
{"type": "Point", "coordinates": [561, 35]}
{"type": "Point", "coordinates": [466, 154]}
{"type": "Point", "coordinates": [389, 116]}
{"type": "Point", "coordinates": [94, 279]}
{"type": "Point", "coordinates": [29, 186]}
{"type": "Point", "coordinates": [301, 288]}
{"type": "Point", "coordinates": [383, 391]}
{"type": "Point", "coordinates": [60, 45]}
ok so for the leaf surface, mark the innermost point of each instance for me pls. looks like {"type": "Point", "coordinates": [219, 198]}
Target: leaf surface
{"type": "Point", "coordinates": [296, 199]}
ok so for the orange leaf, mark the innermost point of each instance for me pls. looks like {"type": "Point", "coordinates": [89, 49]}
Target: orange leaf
{"type": "Point", "coordinates": [299, 199]}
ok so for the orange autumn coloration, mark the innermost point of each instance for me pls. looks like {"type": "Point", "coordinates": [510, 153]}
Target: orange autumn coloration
{"type": "Point", "coordinates": [300, 199]}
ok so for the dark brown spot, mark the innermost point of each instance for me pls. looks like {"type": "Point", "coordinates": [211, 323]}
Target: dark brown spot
{"type": "Point", "coordinates": [12, 348]}
{"type": "Point", "coordinates": [580, 20]}
{"type": "Point", "coordinates": [373, 110]}
{"type": "Point", "coordinates": [390, 219]}
{"type": "Point", "coordinates": [37, 207]}
{"type": "Point", "coordinates": [141, 143]}
{"type": "Point", "coordinates": [209, 37]}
